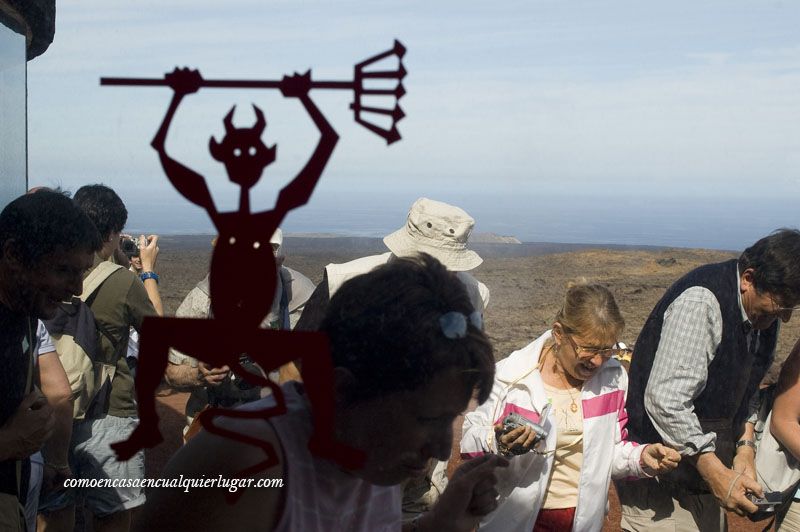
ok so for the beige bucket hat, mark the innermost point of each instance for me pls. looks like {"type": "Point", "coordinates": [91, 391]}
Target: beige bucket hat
{"type": "Point", "coordinates": [439, 229]}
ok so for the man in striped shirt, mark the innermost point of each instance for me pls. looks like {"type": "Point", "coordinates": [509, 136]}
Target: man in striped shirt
{"type": "Point", "coordinates": [697, 364]}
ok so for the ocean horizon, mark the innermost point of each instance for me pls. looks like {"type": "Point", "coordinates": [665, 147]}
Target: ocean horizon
{"type": "Point", "coordinates": [729, 224]}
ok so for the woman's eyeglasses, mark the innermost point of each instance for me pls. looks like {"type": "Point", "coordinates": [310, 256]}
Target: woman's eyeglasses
{"type": "Point", "coordinates": [588, 353]}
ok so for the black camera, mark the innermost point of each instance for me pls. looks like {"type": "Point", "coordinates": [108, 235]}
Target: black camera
{"type": "Point", "coordinates": [235, 390]}
{"type": "Point", "coordinates": [768, 503]}
{"type": "Point", "coordinates": [129, 247]}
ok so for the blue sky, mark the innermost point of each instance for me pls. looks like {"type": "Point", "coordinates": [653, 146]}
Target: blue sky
{"type": "Point", "coordinates": [519, 101]}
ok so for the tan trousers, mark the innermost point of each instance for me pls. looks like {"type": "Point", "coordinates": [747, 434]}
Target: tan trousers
{"type": "Point", "coordinates": [791, 519]}
{"type": "Point", "coordinates": [650, 506]}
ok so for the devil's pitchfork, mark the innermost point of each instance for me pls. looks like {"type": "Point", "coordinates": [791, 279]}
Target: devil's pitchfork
{"type": "Point", "coordinates": [362, 75]}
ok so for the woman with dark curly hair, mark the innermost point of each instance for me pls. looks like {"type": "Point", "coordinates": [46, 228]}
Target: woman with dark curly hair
{"type": "Point", "coordinates": [409, 353]}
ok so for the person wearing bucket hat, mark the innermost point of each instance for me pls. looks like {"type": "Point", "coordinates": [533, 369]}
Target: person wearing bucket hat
{"type": "Point", "coordinates": [442, 231]}
{"type": "Point", "coordinates": [433, 227]}
{"type": "Point", "coordinates": [438, 229]}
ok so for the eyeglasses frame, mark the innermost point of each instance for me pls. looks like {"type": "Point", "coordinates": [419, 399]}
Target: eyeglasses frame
{"type": "Point", "coordinates": [612, 351]}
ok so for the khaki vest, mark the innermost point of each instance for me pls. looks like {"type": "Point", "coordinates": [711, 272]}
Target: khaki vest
{"type": "Point", "coordinates": [338, 274]}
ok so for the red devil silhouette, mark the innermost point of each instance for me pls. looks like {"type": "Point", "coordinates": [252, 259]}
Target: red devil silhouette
{"type": "Point", "coordinates": [241, 293]}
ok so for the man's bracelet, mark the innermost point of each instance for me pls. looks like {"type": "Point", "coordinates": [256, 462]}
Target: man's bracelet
{"type": "Point", "coordinates": [730, 488]}
{"type": "Point", "coordinates": [746, 443]}
{"type": "Point", "coordinates": [148, 275]}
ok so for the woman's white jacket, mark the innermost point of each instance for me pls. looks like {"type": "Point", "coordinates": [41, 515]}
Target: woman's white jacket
{"type": "Point", "coordinates": [606, 453]}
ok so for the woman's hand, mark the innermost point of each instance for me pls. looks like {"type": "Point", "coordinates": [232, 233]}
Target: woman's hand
{"type": "Point", "coordinates": [517, 441]}
{"type": "Point", "coordinates": [657, 459]}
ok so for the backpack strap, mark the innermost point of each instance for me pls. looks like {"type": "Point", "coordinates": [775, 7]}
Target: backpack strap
{"type": "Point", "coordinates": [97, 277]}
{"type": "Point", "coordinates": [93, 281]}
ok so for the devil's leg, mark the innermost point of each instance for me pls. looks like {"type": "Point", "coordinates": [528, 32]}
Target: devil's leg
{"type": "Point", "coordinates": [201, 339]}
{"type": "Point", "coordinates": [317, 370]}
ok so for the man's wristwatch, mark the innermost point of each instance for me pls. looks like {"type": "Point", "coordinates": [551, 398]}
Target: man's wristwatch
{"type": "Point", "coordinates": [746, 443]}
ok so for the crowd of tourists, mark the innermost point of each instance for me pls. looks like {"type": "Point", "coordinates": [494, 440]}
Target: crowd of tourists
{"type": "Point", "coordinates": [682, 422]}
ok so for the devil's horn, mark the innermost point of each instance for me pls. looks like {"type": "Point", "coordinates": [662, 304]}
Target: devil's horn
{"type": "Point", "coordinates": [261, 122]}
{"type": "Point", "coordinates": [228, 121]}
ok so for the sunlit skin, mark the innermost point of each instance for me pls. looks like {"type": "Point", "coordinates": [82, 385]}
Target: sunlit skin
{"type": "Point", "coordinates": [578, 369]}
{"type": "Point", "coordinates": [136, 264]}
{"type": "Point", "coordinates": [762, 307]}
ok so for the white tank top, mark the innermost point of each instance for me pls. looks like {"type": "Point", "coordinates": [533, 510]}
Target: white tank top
{"type": "Point", "coordinates": [319, 496]}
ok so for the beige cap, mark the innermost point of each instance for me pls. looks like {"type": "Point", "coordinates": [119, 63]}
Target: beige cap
{"type": "Point", "coordinates": [439, 229]}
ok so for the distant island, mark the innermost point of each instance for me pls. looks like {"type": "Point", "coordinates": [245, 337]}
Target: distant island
{"type": "Point", "coordinates": [492, 238]}
{"type": "Point", "coordinates": [483, 238]}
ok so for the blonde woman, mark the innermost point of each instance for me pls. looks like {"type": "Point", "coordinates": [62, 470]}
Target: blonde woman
{"type": "Point", "coordinates": [567, 383]}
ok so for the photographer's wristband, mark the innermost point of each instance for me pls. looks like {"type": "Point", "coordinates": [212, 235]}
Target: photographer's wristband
{"type": "Point", "coordinates": [148, 275]}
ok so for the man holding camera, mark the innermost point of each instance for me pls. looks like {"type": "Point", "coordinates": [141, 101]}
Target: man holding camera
{"type": "Point", "coordinates": [46, 244]}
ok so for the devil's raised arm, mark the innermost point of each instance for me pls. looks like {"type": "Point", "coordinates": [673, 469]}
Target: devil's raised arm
{"type": "Point", "coordinates": [189, 183]}
{"type": "Point", "coordinates": [299, 190]}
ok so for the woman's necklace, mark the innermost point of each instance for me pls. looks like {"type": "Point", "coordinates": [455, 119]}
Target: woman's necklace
{"type": "Point", "coordinates": [573, 407]}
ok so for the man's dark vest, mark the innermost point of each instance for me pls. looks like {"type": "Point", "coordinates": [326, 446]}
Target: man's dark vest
{"type": "Point", "coordinates": [733, 375]}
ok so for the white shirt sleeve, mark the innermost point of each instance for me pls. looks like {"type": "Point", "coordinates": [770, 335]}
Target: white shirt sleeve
{"type": "Point", "coordinates": [44, 342]}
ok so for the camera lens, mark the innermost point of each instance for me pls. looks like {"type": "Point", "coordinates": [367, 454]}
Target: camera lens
{"type": "Point", "coordinates": [129, 247]}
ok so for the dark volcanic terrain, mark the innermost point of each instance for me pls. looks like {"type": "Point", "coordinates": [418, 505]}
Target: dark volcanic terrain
{"type": "Point", "coordinates": [527, 281]}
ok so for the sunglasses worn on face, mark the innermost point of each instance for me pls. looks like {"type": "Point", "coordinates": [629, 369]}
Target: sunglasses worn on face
{"type": "Point", "coordinates": [588, 353]}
